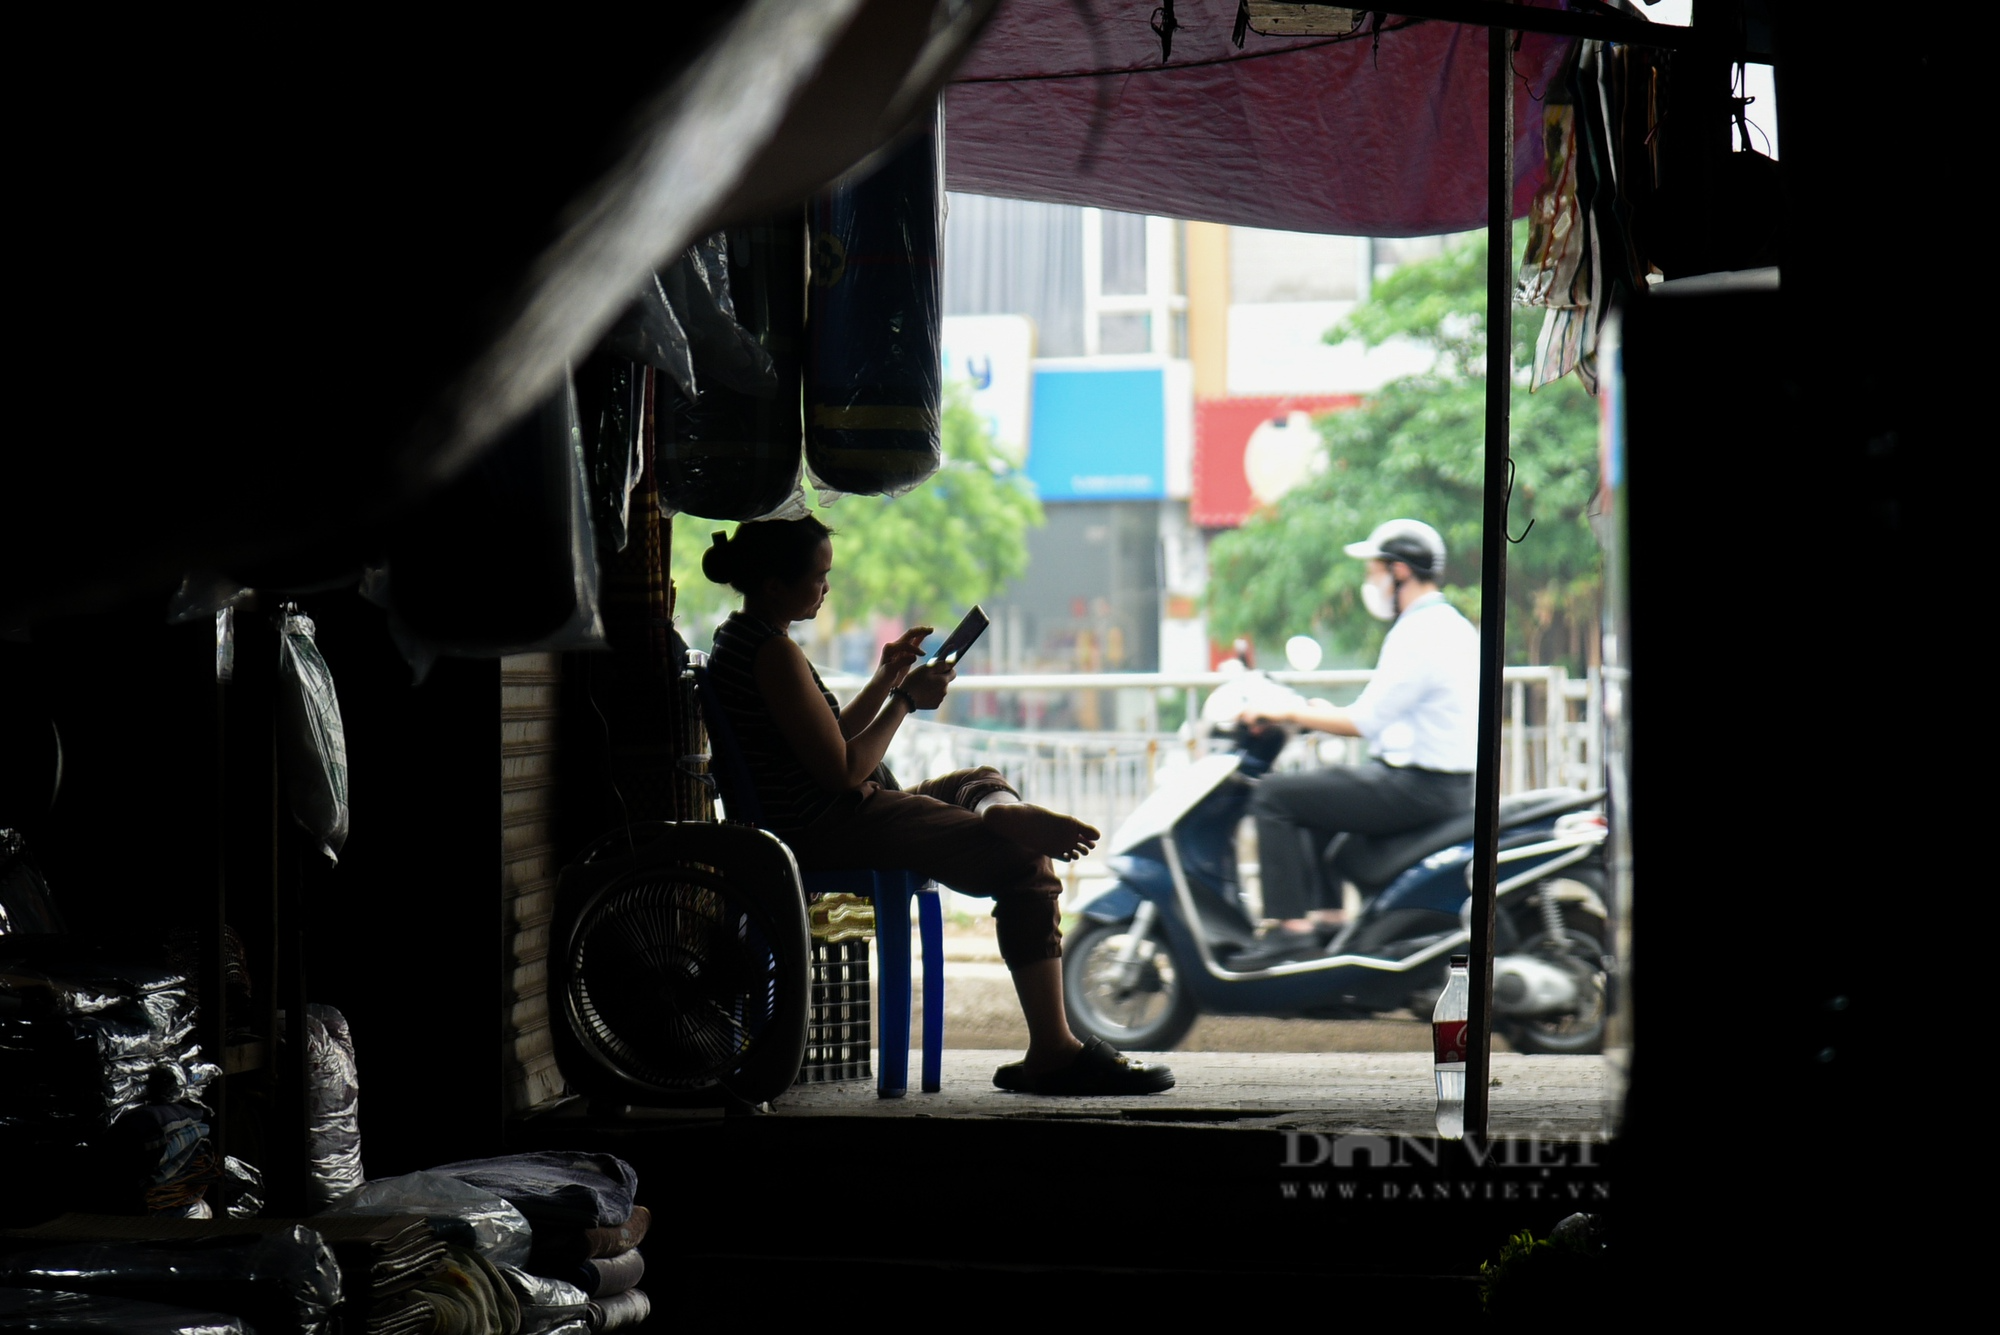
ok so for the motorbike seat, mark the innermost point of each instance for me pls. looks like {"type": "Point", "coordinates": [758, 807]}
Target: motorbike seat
{"type": "Point", "coordinates": [1372, 861]}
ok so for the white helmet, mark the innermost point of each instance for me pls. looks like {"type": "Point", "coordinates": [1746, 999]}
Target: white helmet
{"type": "Point", "coordinates": [1410, 541]}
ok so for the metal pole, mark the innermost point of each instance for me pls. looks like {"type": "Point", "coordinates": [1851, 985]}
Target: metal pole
{"type": "Point", "coordinates": [1492, 563]}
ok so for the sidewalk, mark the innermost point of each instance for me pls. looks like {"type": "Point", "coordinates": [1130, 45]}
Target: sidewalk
{"type": "Point", "coordinates": [1334, 1092]}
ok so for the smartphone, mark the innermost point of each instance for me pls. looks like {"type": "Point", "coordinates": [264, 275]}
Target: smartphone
{"type": "Point", "coordinates": [961, 639]}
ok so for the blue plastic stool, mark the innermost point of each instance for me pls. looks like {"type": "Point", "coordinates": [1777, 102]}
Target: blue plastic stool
{"type": "Point", "coordinates": [889, 889]}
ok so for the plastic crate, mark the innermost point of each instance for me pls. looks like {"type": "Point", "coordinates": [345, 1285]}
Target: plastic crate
{"type": "Point", "coordinates": [839, 1035]}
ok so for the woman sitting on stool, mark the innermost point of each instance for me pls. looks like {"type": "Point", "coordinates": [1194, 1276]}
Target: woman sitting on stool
{"type": "Point", "coordinates": [814, 765]}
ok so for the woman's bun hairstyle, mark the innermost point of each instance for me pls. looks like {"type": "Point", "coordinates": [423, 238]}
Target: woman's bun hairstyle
{"type": "Point", "coordinates": [763, 549]}
{"type": "Point", "coordinates": [716, 562]}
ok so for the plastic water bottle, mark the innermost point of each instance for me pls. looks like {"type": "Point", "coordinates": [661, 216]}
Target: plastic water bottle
{"type": "Point", "coordinates": [1448, 1039]}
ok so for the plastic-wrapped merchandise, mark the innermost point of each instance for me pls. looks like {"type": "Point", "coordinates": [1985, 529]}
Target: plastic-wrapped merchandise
{"type": "Point", "coordinates": [459, 1212]}
{"type": "Point", "coordinates": [203, 594]}
{"type": "Point", "coordinates": [503, 559]}
{"type": "Point", "coordinates": [546, 1304]}
{"type": "Point", "coordinates": [702, 286]}
{"type": "Point", "coordinates": [192, 1210]}
{"type": "Point", "coordinates": [611, 406]}
{"type": "Point", "coordinates": [733, 451]}
{"type": "Point", "coordinates": [26, 907]}
{"type": "Point", "coordinates": [154, 1146]}
{"type": "Point", "coordinates": [89, 1046]}
{"type": "Point", "coordinates": [284, 1280]}
{"type": "Point", "coordinates": [238, 1190]}
{"type": "Point", "coordinates": [312, 740]}
{"type": "Point", "coordinates": [333, 1102]}
{"type": "Point", "coordinates": [874, 379]}
{"type": "Point", "coordinates": [556, 1189]}
{"type": "Point", "coordinates": [650, 332]}
{"type": "Point", "coordinates": [31, 1311]}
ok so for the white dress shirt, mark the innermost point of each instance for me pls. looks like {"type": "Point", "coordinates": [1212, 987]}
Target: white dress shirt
{"type": "Point", "coordinates": [1421, 706]}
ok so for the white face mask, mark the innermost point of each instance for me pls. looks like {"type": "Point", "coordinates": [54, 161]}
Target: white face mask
{"type": "Point", "coordinates": [1379, 598]}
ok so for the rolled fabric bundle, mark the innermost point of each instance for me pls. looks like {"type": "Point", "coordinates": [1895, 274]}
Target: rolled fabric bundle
{"type": "Point", "coordinates": [620, 1311]}
{"type": "Point", "coordinates": [600, 1277]}
{"type": "Point", "coordinates": [875, 327]}
{"type": "Point", "coordinates": [556, 1249]}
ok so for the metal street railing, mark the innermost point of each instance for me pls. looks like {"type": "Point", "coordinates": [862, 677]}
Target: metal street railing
{"type": "Point", "coordinates": [1551, 739]}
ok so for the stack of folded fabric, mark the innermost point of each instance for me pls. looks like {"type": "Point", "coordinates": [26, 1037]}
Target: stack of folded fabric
{"type": "Point", "coordinates": [383, 1261]}
{"type": "Point", "coordinates": [587, 1230]}
{"type": "Point", "coordinates": [467, 1295]}
{"type": "Point", "coordinates": [101, 1083]}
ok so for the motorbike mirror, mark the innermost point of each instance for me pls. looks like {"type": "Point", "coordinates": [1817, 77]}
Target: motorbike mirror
{"type": "Point", "coordinates": [1302, 652]}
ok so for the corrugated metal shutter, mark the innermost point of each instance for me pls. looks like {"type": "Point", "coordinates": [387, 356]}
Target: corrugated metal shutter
{"type": "Point", "coordinates": [529, 687]}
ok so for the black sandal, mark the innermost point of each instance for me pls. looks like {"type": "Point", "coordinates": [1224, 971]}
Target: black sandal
{"type": "Point", "coordinates": [1099, 1069]}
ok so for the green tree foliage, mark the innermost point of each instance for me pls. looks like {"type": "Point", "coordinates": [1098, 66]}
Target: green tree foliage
{"type": "Point", "coordinates": [924, 556]}
{"type": "Point", "coordinates": [1416, 449]}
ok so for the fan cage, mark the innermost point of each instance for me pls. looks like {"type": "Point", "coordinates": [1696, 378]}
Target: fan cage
{"type": "Point", "coordinates": [673, 980]}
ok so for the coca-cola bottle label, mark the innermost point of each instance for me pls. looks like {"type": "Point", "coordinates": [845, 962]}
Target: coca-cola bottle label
{"type": "Point", "coordinates": [1448, 1041]}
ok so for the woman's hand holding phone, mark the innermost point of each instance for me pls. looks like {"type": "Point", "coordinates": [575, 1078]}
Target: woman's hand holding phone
{"type": "Point", "coordinates": [926, 685]}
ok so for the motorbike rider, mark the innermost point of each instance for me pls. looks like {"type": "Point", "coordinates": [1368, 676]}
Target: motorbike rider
{"type": "Point", "coordinates": [1418, 714]}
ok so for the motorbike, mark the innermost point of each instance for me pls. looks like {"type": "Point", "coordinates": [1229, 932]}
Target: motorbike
{"type": "Point", "coordinates": [1160, 947]}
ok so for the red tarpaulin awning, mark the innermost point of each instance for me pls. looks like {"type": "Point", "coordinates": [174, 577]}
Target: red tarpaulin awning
{"type": "Point", "coordinates": [1067, 101]}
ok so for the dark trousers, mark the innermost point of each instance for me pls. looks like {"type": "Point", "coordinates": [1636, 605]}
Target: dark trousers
{"type": "Point", "coordinates": [1299, 814]}
{"type": "Point", "coordinates": [933, 829]}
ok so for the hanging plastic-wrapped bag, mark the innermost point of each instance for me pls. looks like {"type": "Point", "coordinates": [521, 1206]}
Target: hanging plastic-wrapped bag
{"type": "Point", "coordinates": [312, 740]}
{"type": "Point", "coordinates": [734, 450]}
{"type": "Point", "coordinates": [728, 340]}
{"type": "Point", "coordinates": [650, 332]}
{"type": "Point", "coordinates": [611, 406]}
{"type": "Point", "coordinates": [874, 376]}
{"type": "Point", "coordinates": [504, 559]}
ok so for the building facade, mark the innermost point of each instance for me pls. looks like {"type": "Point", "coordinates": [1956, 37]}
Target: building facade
{"type": "Point", "coordinates": [1156, 380]}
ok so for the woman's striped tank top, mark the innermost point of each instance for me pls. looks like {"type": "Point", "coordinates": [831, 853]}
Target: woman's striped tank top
{"type": "Point", "coordinates": [790, 797]}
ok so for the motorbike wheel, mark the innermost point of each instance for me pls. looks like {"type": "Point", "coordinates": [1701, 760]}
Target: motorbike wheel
{"type": "Point", "coordinates": [1578, 949]}
{"type": "Point", "coordinates": [1149, 1011]}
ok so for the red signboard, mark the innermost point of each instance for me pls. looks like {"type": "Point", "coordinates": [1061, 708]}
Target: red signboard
{"type": "Point", "coordinates": [1222, 497]}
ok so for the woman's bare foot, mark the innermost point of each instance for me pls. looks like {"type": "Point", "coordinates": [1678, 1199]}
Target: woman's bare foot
{"type": "Point", "coordinates": [1049, 833]}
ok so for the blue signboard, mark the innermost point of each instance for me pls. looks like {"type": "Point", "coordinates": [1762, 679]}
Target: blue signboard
{"type": "Point", "coordinates": [1099, 435]}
